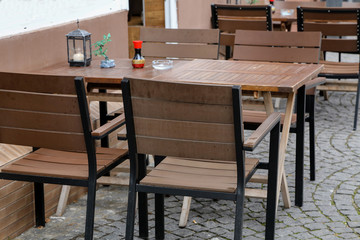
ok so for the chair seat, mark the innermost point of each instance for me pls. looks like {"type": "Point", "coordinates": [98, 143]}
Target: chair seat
{"type": "Point", "coordinates": [53, 163]}
{"type": "Point", "coordinates": [339, 68]}
{"type": "Point", "coordinates": [206, 175]}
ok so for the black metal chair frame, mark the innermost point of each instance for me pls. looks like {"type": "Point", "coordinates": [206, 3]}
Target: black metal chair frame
{"type": "Point", "coordinates": [138, 172]}
{"type": "Point", "coordinates": [300, 24]}
{"type": "Point", "coordinates": [90, 183]}
{"type": "Point", "coordinates": [215, 18]}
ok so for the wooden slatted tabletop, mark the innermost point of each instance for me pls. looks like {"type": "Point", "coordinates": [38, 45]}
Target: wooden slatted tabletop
{"type": "Point", "coordinates": [252, 76]}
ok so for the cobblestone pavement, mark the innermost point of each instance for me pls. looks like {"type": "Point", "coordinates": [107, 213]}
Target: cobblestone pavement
{"type": "Point", "coordinates": [331, 203]}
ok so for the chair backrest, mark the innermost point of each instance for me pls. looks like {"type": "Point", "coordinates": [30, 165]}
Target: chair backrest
{"type": "Point", "coordinates": [183, 120]}
{"type": "Point", "coordinates": [180, 43]}
{"type": "Point", "coordinates": [41, 111]}
{"type": "Point", "coordinates": [339, 27]}
{"type": "Point", "coordinates": [228, 18]}
{"type": "Point", "coordinates": [277, 46]}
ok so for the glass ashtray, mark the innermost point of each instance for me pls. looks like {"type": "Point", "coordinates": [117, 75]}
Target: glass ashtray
{"type": "Point", "coordinates": [286, 12]}
{"type": "Point", "coordinates": [162, 64]}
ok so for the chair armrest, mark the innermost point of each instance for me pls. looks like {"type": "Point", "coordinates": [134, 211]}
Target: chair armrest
{"type": "Point", "coordinates": [258, 135]}
{"type": "Point", "coordinates": [109, 127]}
{"type": "Point", "coordinates": [315, 82]}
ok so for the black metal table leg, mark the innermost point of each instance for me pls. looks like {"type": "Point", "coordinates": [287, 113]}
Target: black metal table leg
{"type": "Point", "coordinates": [300, 130]}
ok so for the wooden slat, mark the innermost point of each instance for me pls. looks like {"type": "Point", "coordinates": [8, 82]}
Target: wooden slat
{"type": "Point", "coordinates": [250, 116]}
{"type": "Point", "coordinates": [40, 121]}
{"type": "Point", "coordinates": [276, 54]}
{"type": "Point", "coordinates": [227, 39]}
{"type": "Point", "coordinates": [50, 163]}
{"type": "Point", "coordinates": [180, 50]}
{"type": "Point", "coordinates": [339, 45]}
{"type": "Point", "coordinates": [231, 25]}
{"type": "Point", "coordinates": [56, 140]}
{"type": "Point", "coordinates": [238, 10]}
{"type": "Point", "coordinates": [332, 29]}
{"type": "Point", "coordinates": [180, 35]}
{"type": "Point", "coordinates": [43, 103]}
{"type": "Point", "coordinates": [278, 38]}
{"type": "Point", "coordinates": [262, 130]}
{"type": "Point", "coordinates": [184, 130]}
{"type": "Point", "coordinates": [195, 177]}
{"type": "Point", "coordinates": [36, 83]}
{"type": "Point", "coordinates": [182, 111]}
{"type": "Point", "coordinates": [185, 149]}
{"type": "Point", "coordinates": [340, 68]}
{"type": "Point", "coordinates": [187, 93]}
{"type": "Point", "coordinates": [332, 14]}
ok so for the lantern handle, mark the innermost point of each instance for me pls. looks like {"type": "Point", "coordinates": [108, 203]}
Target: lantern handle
{"type": "Point", "coordinates": [77, 22]}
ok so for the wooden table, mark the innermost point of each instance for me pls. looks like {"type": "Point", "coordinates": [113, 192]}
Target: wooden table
{"type": "Point", "coordinates": [267, 78]}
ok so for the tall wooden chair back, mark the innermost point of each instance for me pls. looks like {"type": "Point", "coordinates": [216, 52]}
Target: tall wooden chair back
{"type": "Point", "coordinates": [180, 43]}
{"type": "Point", "coordinates": [184, 120]}
{"type": "Point", "coordinates": [341, 34]}
{"type": "Point", "coordinates": [228, 18]}
{"type": "Point", "coordinates": [341, 23]}
{"type": "Point", "coordinates": [277, 46]}
{"type": "Point", "coordinates": [198, 128]}
{"type": "Point", "coordinates": [288, 47]}
{"type": "Point", "coordinates": [41, 111]}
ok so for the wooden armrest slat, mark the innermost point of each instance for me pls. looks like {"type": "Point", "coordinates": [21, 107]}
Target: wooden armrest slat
{"type": "Point", "coordinates": [315, 82]}
{"type": "Point", "coordinates": [261, 131]}
{"type": "Point", "coordinates": [109, 127]}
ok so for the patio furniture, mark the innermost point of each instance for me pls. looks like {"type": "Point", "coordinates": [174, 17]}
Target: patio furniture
{"type": "Point", "coordinates": [203, 151]}
{"type": "Point", "coordinates": [287, 82]}
{"type": "Point", "coordinates": [289, 47]}
{"type": "Point", "coordinates": [340, 30]}
{"type": "Point", "coordinates": [228, 18]}
{"type": "Point", "coordinates": [180, 43]}
{"type": "Point", "coordinates": [50, 113]}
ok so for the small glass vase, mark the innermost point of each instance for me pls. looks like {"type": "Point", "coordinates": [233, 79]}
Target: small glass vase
{"type": "Point", "coordinates": [110, 63]}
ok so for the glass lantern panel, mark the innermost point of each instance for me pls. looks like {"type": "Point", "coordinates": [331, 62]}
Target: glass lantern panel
{"type": "Point", "coordinates": [88, 49]}
{"type": "Point", "coordinates": [76, 50]}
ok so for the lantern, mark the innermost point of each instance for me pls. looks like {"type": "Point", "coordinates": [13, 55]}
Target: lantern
{"type": "Point", "coordinates": [79, 48]}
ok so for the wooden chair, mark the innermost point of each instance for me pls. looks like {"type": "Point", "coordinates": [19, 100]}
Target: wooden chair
{"type": "Point", "coordinates": [180, 43]}
{"type": "Point", "coordinates": [50, 113]}
{"type": "Point", "coordinates": [288, 47]}
{"type": "Point", "coordinates": [203, 151]}
{"type": "Point", "coordinates": [228, 18]}
{"type": "Point", "coordinates": [340, 29]}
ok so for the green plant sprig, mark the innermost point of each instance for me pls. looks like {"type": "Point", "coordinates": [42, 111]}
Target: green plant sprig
{"type": "Point", "coordinates": [100, 45]}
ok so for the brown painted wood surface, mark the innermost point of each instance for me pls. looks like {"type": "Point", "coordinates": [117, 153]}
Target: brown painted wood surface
{"type": "Point", "coordinates": [180, 43]}
{"type": "Point", "coordinates": [191, 174]}
{"type": "Point", "coordinates": [253, 76]}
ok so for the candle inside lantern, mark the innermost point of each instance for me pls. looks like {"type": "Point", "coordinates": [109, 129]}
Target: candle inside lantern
{"type": "Point", "coordinates": [78, 57]}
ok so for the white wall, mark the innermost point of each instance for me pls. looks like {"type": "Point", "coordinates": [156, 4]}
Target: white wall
{"type": "Point", "coordinates": [18, 16]}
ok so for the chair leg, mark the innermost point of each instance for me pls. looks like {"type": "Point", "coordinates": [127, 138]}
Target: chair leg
{"type": "Point", "coordinates": [310, 108]}
{"type": "Point", "coordinates": [357, 105]}
{"type": "Point", "coordinates": [90, 210]}
{"type": "Point", "coordinates": [239, 214]}
{"type": "Point", "coordinates": [130, 220]}
{"type": "Point", "coordinates": [143, 200]}
{"type": "Point", "coordinates": [159, 216]}
{"type": "Point", "coordinates": [271, 204]}
{"type": "Point", "coordinates": [39, 204]}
